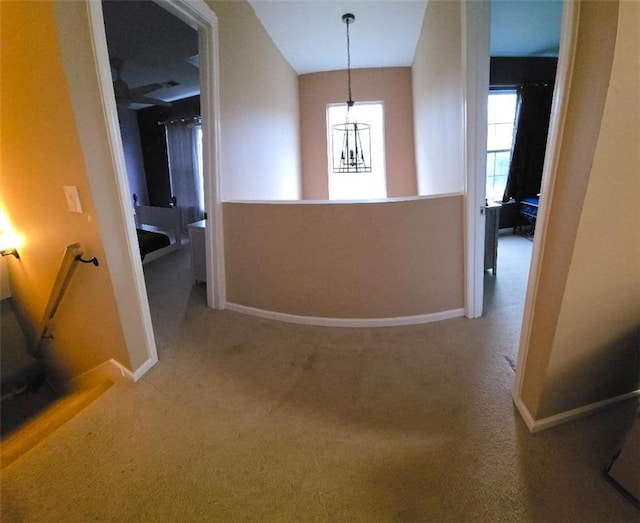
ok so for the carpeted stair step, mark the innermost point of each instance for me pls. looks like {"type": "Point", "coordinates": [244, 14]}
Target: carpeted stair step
{"type": "Point", "coordinates": [49, 420]}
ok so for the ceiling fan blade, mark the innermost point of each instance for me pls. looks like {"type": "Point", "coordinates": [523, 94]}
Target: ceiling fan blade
{"type": "Point", "coordinates": [144, 89]}
{"type": "Point", "coordinates": [149, 100]}
{"type": "Point", "coordinates": [126, 95]}
{"type": "Point", "coordinates": [149, 88]}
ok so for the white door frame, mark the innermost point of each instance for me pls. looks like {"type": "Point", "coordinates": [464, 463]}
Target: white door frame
{"type": "Point", "coordinates": [476, 20]}
{"type": "Point", "coordinates": [559, 106]}
{"type": "Point", "coordinates": [199, 16]}
{"type": "Point", "coordinates": [476, 62]}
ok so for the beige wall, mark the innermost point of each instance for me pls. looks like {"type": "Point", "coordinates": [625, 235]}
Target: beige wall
{"type": "Point", "coordinates": [5, 288]}
{"type": "Point", "coordinates": [346, 260]}
{"type": "Point", "coordinates": [584, 337]}
{"type": "Point", "coordinates": [260, 138]}
{"type": "Point", "coordinates": [392, 87]}
{"type": "Point", "coordinates": [40, 154]}
{"type": "Point", "coordinates": [596, 350]}
{"type": "Point", "coordinates": [437, 100]}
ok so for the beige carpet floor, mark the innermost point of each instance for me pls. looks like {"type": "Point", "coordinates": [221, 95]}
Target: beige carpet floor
{"type": "Point", "coordinates": [246, 419]}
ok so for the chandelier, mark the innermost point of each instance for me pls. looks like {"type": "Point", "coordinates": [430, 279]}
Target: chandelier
{"type": "Point", "coordinates": [351, 140]}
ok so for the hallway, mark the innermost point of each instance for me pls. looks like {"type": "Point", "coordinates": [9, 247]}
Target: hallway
{"type": "Point", "coordinates": [255, 420]}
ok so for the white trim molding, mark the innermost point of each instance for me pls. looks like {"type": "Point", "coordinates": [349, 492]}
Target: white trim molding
{"type": "Point", "coordinates": [125, 265]}
{"type": "Point", "coordinates": [111, 370]}
{"type": "Point", "coordinates": [197, 14]}
{"type": "Point", "coordinates": [564, 70]}
{"type": "Point", "coordinates": [569, 415]}
{"type": "Point", "coordinates": [476, 19]}
{"type": "Point", "coordinates": [135, 375]}
{"type": "Point", "coordinates": [348, 202]}
{"type": "Point", "coordinates": [82, 38]}
{"type": "Point", "coordinates": [346, 322]}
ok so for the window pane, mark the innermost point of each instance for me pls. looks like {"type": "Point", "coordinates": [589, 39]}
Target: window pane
{"type": "Point", "coordinates": [501, 107]}
{"type": "Point", "coordinates": [503, 135]}
{"type": "Point", "coordinates": [499, 184]}
{"type": "Point", "coordinates": [503, 160]}
{"type": "Point", "coordinates": [198, 164]}
{"type": "Point", "coordinates": [491, 137]}
{"type": "Point", "coordinates": [495, 187]}
{"type": "Point", "coordinates": [501, 116]}
{"type": "Point", "coordinates": [490, 189]}
{"type": "Point", "coordinates": [360, 185]}
{"type": "Point", "coordinates": [491, 165]}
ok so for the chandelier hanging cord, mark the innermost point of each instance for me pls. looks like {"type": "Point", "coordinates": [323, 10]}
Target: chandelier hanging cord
{"type": "Point", "coordinates": [351, 141]}
{"type": "Point", "coordinates": [349, 19]}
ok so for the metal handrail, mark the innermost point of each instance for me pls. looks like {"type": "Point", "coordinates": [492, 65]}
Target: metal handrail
{"type": "Point", "coordinates": [72, 255]}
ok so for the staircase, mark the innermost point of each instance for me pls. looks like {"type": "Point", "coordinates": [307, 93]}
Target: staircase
{"type": "Point", "coordinates": [45, 421]}
{"type": "Point", "coordinates": [30, 409]}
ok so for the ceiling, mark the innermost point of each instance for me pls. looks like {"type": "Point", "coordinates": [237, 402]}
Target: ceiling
{"type": "Point", "coordinates": [156, 46]}
{"type": "Point", "coordinates": [386, 32]}
{"type": "Point", "coordinates": [525, 27]}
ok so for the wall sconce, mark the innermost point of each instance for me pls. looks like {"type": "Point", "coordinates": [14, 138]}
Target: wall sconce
{"type": "Point", "coordinates": [10, 250]}
{"type": "Point", "coordinates": [6, 245]}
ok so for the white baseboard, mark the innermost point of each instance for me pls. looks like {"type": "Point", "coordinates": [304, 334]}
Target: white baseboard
{"type": "Point", "coordinates": [138, 373]}
{"type": "Point", "coordinates": [524, 412]}
{"type": "Point", "coordinates": [144, 368]}
{"type": "Point", "coordinates": [346, 322]}
{"type": "Point", "coordinates": [569, 415]}
{"type": "Point", "coordinates": [111, 370]}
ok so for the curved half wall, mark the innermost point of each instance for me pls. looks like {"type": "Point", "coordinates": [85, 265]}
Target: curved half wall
{"type": "Point", "coordinates": [389, 262]}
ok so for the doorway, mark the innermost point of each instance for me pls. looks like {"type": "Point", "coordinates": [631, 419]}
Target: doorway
{"type": "Point", "coordinates": [522, 75]}
{"type": "Point", "coordinates": [106, 169]}
{"type": "Point", "coordinates": [476, 17]}
{"type": "Point", "coordinates": [481, 22]}
{"type": "Point", "coordinates": [518, 113]}
{"type": "Point", "coordinates": [156, 83]}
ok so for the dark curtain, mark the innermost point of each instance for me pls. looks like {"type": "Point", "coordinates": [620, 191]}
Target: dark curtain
{"type": "Point", "coordinates": [530, 141]}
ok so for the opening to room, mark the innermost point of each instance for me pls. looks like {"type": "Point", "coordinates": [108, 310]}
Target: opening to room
{"type": "Point", "coordinates": [518, 115]}
{"type": "Point", "coordinates": [155, 67]}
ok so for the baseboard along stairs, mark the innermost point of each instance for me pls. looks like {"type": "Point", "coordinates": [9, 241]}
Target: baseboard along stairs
{"type": "Point", "coordinates": [39, 424]}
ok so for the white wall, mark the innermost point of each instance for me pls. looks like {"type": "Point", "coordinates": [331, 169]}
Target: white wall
{"type": "Point", "coordinates": [260, 136]}
{"type": "Point", "coordinates": [437, 100]}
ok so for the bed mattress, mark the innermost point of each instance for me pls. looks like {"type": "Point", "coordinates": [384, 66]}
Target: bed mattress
{"type": "Point", "coordinates": [151, 241]}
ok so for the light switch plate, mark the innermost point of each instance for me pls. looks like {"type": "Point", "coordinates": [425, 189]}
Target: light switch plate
{"type": "Point", "coordinates": [73, 200]}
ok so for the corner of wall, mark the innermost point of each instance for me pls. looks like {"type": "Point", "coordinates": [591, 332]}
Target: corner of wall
{"type": "Point", "coordinates": [581, 356]}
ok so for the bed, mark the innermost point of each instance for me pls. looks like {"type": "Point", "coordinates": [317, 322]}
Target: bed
{"type": "Point", "coordinates": [158, 229]}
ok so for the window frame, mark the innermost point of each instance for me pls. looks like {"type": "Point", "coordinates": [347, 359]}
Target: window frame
{"type": "Point", "coordinates": [378, 174]}
{"type": "Point", "coordinates": [492, 153]}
